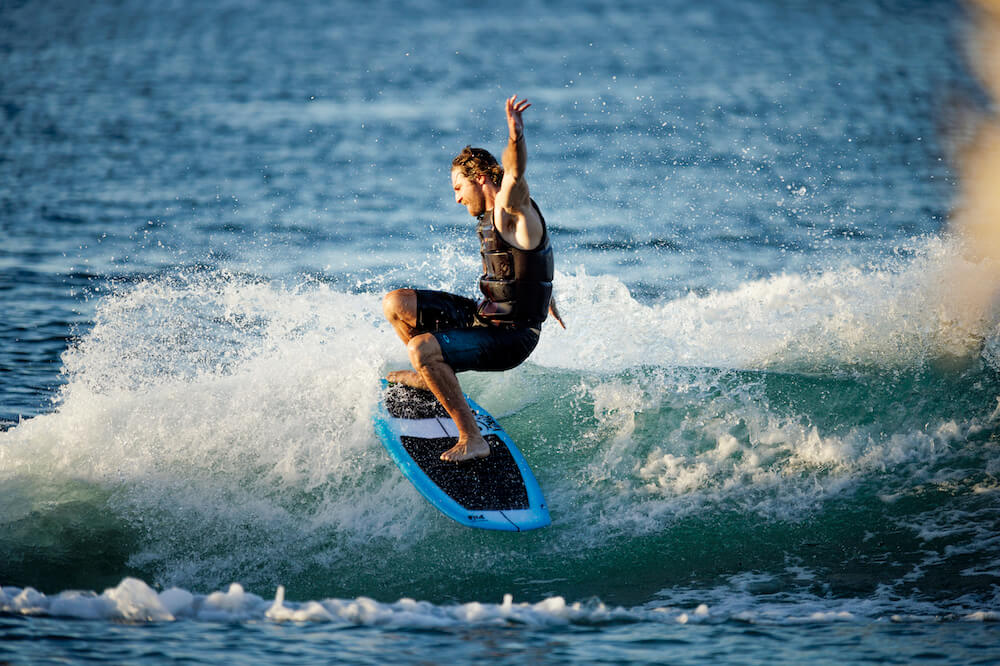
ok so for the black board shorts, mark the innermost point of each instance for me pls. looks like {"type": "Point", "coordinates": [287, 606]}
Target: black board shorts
{"type": "Point", "coordinates": [468, 342]}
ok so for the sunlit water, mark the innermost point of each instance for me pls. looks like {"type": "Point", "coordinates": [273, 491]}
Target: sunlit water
{"type": "Point", "coordinates": [769, 432]}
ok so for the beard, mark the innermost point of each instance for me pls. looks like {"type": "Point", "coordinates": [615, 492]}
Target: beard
{"type": "Point", "coordinates": [476, 206]}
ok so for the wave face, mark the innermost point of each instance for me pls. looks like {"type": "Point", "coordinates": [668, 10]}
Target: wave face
{"type": "Point", "coordinates": [828, 436]}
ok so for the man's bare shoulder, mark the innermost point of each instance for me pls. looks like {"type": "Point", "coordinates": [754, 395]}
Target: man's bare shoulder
{"type": "Point", "coordinates": [521, 226]}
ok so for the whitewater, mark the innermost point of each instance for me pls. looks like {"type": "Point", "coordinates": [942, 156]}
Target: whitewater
{"type": "Point", "coordinates": [769, 433]}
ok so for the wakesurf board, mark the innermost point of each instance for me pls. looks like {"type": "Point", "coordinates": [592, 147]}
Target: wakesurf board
{"type": "Point", "coordinates": [498, 492]}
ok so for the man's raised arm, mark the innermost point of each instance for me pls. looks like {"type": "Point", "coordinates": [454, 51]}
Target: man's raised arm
{"type": "Point", "coordinates": [518, 221]}
{"type": "Point", "coordinates": [515, 156]}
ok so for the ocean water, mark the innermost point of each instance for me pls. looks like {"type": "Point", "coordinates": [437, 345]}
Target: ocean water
{"type": "Point", "coordinates": [769, 433]}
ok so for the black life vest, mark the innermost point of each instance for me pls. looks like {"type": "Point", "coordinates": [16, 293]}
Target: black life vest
{"type": "Point", "coordinates": [516, 284]}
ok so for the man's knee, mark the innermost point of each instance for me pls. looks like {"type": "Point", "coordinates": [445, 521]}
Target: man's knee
{"type": "Point", "coordinates": [424, 349]}
{"type": "Point", "coordinates": [400, 304]}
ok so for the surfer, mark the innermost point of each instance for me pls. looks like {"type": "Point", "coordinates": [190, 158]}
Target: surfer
{"type": "Point", "coordinates": [447, 333]}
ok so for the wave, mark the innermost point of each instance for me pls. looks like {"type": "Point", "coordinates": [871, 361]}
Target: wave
{"type": "Point", "coordinates": [830, 433]}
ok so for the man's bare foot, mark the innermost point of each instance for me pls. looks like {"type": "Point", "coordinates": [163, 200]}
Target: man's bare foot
{"type": "Point", "coordinates": [469, 450]}
{"type": "Point", "coordinates": [407, 378]}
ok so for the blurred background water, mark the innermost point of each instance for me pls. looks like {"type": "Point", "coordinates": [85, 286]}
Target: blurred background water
{"type": "Point", "coordinates": [769, 432]}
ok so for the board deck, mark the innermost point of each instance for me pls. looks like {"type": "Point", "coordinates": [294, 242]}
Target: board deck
{"type": "Point", "coordinates": [498, 492]}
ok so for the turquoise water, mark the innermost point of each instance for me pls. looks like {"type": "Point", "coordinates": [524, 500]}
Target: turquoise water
{"type": "Point", "coordinates": [769, 432]}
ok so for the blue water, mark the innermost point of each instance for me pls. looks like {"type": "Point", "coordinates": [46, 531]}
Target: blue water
{"type": "Point", "coordinates": [769, 433]}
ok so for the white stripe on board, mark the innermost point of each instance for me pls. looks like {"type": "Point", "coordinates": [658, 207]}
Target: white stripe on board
{"type": "Point", "coordinates": [424, 428]}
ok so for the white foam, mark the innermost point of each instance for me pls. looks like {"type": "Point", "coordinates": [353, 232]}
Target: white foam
{"type": "Point", "coordinates": [228, 421]}
{"type": "Point", "coordinates": [889, 316]}
{"type": "Point", "coordinates": [134, 601]}
{"type": "Point", "coordinates": [223, 417]}
{"type": "Point", "coordinates": [131, 601]}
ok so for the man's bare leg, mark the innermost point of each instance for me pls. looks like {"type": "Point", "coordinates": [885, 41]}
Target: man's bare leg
{"type": "Point", "coordinates": [426, 356]}
{"type": "Point", "coordinates": [400, 308]}
{"type": "Point", "coordinates": [433, 374]}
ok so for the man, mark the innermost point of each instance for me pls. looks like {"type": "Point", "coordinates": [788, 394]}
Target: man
{"type": "Point", "coordinates": [446, 333]}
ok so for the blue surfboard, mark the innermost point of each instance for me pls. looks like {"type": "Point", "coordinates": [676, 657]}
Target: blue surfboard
{"type": "Point", "coordinates": [498, 492]}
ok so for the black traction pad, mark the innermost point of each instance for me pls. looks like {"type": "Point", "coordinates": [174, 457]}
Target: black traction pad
{"type": "Point", "coordinates": [492, 483]}
{"type": "Point", "coordinates": [404, 402]}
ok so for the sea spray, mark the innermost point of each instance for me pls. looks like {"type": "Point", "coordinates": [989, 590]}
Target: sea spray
{"type": "Point", "coordinates": [223, 426]}
{"type": "Point", "coordinates": [820, 322]}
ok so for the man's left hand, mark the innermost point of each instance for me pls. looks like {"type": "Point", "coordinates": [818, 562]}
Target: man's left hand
{"type": "Point", "coordinates": [514, 123]}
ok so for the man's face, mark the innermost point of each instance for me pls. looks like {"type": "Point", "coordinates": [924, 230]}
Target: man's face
{"type": "Point", "coordinates": [468, 193]}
